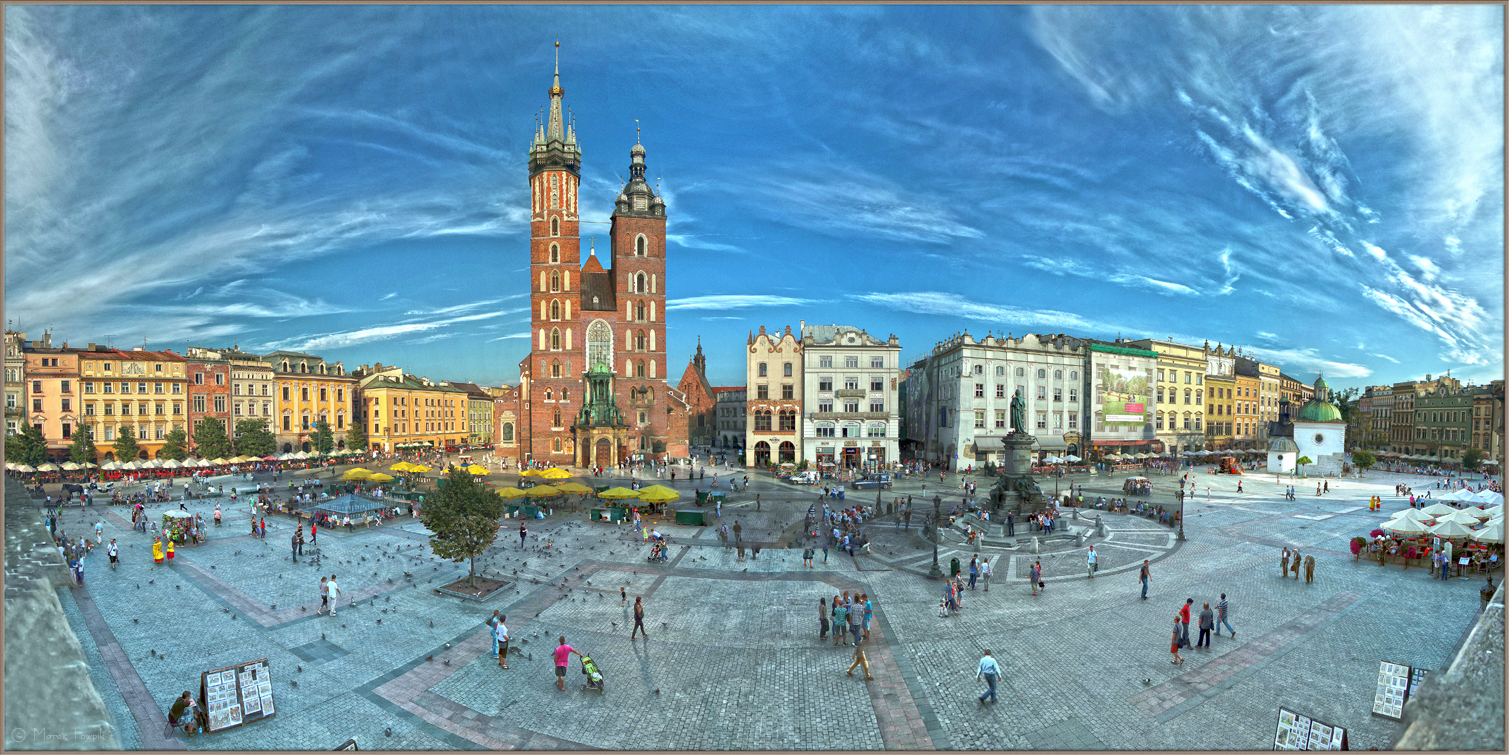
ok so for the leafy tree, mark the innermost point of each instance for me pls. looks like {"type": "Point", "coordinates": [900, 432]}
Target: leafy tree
{"type": "Point", "coordinates": [463, 516]}
{"type": "Point", "coordinates": [81, 451]}
{"type": "Point", "coordinates": [253, 438]}
{"type": "Point", "coordinates": [1472, 459]}
{"type": "Point", "coordinates": [356, 437]}
{"type": "Point", "coordinates": [802, 467]}
{"type": "Point", "coordinates": [174, 446]}
{"type": "Point", "coordinates": [322, 438]}
{"type": "Point", "coordinates": [26, 447]}
{"type": "Point", "coordinates": [125, 444]}
{"type": "Point", "coordinates": [210, 440]}
{"type": "Point", "coordinates": [1363, 459]}
{"type": "Point", "coordinates": [1302, 461]}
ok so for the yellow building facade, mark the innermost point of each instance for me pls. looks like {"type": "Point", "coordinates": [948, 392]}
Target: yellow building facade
{"type": "Point", "coordinates": [307, 389]}
{"type": "Point", "coordinates": [404, 412]}
{"type": "Point", "coordinates": [143, 390]}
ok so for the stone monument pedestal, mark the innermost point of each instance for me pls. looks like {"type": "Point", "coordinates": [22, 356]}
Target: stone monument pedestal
{"type": "Point", "coordinates": [1015, 489]}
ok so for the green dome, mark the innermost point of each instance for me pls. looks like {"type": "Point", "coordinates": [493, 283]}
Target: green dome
{"type": "Point", "coordinates": [1318, 411]}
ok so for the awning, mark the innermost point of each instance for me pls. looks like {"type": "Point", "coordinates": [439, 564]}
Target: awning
{"type": "Point", "coordinates": [1049, 443]}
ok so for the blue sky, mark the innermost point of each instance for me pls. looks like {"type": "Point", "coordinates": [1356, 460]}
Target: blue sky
{"type": "Point", "coordinates": [1320, 185]}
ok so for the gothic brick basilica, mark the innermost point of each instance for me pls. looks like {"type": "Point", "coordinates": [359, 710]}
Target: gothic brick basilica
{"type": "Point", "coordinates": [593, 389]}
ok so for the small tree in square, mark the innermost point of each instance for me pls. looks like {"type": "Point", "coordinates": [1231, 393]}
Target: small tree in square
{"type": "Point", "coordinates": [126, 448]}
{"type": "Point", "coordinates": [356, 437]}
{"type": "Point", "coordinates": [174, 445]}
{"type": "Point", "coordinates": [26, 447]}
{"type": "Point", "coordinates": [253, 438]}
{"type": "Point", "coordinates": [464, 519]}
{"type": "Point", "coordinates": [81, 451]}
{"type": "Point", "coordinates": [210, 440]}
{"type": "Point", "coordinates": [322, 439]}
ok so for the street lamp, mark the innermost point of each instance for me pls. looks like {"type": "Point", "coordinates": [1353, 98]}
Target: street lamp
{"type": "Point", "coordinates": [935, 572]}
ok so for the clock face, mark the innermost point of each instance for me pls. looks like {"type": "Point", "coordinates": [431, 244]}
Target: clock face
{"type": "Point", "coordinates": [1320, 439]}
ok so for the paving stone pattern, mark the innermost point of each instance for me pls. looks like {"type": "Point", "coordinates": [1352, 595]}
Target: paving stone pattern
{"type": "Point", "coordinates": [733, 660]}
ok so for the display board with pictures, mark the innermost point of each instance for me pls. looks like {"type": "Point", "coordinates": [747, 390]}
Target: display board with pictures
{"type": "Point", "coordinates": [1416, 677]}
{"type": "Point", "coordinates": [1393, 689]}
{"type": "Point", "coordinates": [1300, 732]}
{"type": "Point", "coordinates": [236, 695]}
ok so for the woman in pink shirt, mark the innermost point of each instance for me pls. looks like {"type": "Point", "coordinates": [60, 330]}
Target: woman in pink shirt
{"type": "Point", "coordinates": [562, 655]}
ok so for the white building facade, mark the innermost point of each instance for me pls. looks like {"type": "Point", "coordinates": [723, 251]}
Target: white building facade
{"type": "Point", "coordinates": [959, 397]}
{"type": "Point", "coordinates": [850, 415]}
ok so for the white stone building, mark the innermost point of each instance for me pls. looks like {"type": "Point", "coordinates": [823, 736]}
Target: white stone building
{"type": "Point", "coordinates": [1320, 433]}
{"type": "Point", "coordinates": [730, 412]}
{"type": "Point", "coordinates": [959, 397]}
{"type": "Point", "coordinates": [850, 413]}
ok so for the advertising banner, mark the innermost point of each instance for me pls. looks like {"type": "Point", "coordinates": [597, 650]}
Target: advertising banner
{"type": "Point", "coordinates": [1123, 396]}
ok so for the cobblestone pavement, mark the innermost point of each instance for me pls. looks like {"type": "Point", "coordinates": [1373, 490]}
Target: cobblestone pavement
{"type": "Point", "coordinates": [733, 660]}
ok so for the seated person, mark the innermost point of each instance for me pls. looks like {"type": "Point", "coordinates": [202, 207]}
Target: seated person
{"type": "Point", "coordinates": [184, 713]}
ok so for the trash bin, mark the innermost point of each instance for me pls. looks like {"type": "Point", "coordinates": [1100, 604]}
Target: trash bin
{"type": "Point", "coordinates": [694, 518]}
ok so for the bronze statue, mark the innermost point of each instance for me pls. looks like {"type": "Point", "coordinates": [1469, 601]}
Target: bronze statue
{"type": "Point", "coordinates": [1018, 410]}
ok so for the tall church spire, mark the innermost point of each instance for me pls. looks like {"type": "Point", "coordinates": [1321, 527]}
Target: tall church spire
{"type": "Point", "coordinates": [556, 132]}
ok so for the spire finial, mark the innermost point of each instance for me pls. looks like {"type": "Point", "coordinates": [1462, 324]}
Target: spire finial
{"type": "Point", "coordinates": [558, 57]}
{"type": "Point", "coordinates": [636, 130]}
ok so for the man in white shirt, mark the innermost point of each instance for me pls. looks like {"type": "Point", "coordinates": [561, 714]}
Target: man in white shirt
{"type": "Point", "coordinates": [1090, 562]}
{"type": "Point", "coordinates": [500, 634]}
{"type": "Point", "coordinates": [335, 595]}
{"type": "Point", "coordinates": [988, 671]}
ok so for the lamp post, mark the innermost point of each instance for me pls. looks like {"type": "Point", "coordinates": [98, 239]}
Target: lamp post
{"type": "Point", "coordinates": [935, 572]}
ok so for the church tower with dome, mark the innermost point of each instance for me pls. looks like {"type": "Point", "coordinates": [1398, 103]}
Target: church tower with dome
{"type": "Point", "coordinates": [1319, 433]}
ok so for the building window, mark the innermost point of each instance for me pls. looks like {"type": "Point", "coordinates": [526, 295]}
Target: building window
{"type": "Point", "coordinates": [1000, 419]}
{"type": "Point", "coordinates": [762, 421]}
{"type": "Point", "coordinates": [788, 421]}
{"type": "Point", "coordinates": [1058, 421]}
{"type": "Point", "coordinates": [877, 406]}
{"type": "Point", "coordinates": [1042, 420]}
{"type": "Point", "coordinates": [851, 406]}
{"type": "Point", "coordinates": [762, 392]}
{"type": "Point", "coordinates": [979, 390]}
{"type": "Point", "coordinates": [1073, 421]}
{"type": "Point", "coordinates": [876, 431]}
{"type": "Point", "coordinates": [1073, 395]}
{"type": "Point", "coordinates": [1058, 394]}
{"type": "Point", "coordinates": [825, 383]}
{"type": "Point", "coordinates": [786, 392]}
{"type": "Point", "coordinates": [851, 362]}
{"type": "Point", "coordinates": [1073, 375]}
{"type": "Point", "coordinates": [788, 369]}
{"type": "Point", "coordinates": [67, 405]}
{"type": "Point", "coordinates": [877, 383]}
{"type": "Point", "coordinates": [1058, 374]}
{"type": "Point", "coordinates": [1041, 374]}
{"type": "Point", "coordinates": [761, 369]}
{"type": "Point", "coordinates": [878, 363]}
{"type": "Point", "coordinates": [1042, 393]}
{"type": "Point", "coordinates": [825, 406]}
{"type": "Point", "coordinates": [979, 419]}
{"type": "Point", "coordinates": [824, 431]}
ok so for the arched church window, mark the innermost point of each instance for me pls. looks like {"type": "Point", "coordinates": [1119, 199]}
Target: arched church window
{"type": "Point", "coordinates": [639, 341]}
{"type": "Point", "coordinates": [555, 339]}
{"type": "Point", "coordinates": [639, 370]}
{"type": "Point", "coordinates": [639, 284]}
{"type": "Point", "coordinates": [639, 311]}
{"type": "Point", "coordinates": [555, 310]}
{"type": "Point", "coordinates": [555, 282]}
{"type": "Point", "coordinates": [639, 245]}
{"type": "Point", "coordinates": [555, 368]}
{"type": "Point", "coordinates": [555, 226]}
{"type": "Point", "coordinates": [599, 345]}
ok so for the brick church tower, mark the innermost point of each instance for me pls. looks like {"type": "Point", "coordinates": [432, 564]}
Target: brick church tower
{"type": "Point", "coordinates": [593, 386]}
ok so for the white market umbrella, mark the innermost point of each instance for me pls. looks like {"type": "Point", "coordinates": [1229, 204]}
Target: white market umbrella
{"type": "Point", "coordinates": [1449, 528]}
{"type": "Point", "coordinates": [1439, 509]}
{"type": "Point", "coordinates": [1491, 496]}
{"type": "Point", "coordinates": [1404, 526]}
{"type": "Point", "coordinates": [1464, 517]}
{"type": "Point", "coordinates": [132, 464]}
{"type": "Point", "coordinates": [1071, 458]}
{"type": "Point", "coordinates": [111, 466]}
{"type": "Point", "coordinates": [300, 456]}
{"type": "Point", "coordinates": [25, 468]}
{"type": "Point", "coordinates": [48, 467]}
{"type": "Point", "coordinates": [172, 464]}
{"type": "Point", "coordinates": [1413, 515]}
{"type": "Point", "coordinates": [70, 466]}
{"type": "Point", "coordinates": [1493, 533]}
{"type": "Point", "coordinates": [1457, 495]}
{"type": "Point", "coordinates": [154, 464]}
{"type": "Point", "coordinates": [1476, 497]}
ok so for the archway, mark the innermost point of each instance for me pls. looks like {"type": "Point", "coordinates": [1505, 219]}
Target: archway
{"type": "Point", "coordinates": [287, 448]}
{"type": "Point", "coordinates": [762, 453]}
{"type": "Point", "coordinates": [304, 447]}
{"type": "Point", "coordinates": [142, 455]}
{"type": "Point", "coordinates": [788, 452]}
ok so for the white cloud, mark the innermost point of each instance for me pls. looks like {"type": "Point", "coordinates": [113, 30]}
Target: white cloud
{"type": "Point", "coordinates": [953, 305]}
{"type": "Point", "coordinates": [378, 333]}
{"type": "Point", "coordinates": [1386, 356]}
{"type": "Point", "coordinates": [1426, 265]}
{"type": "Point", "coordinates": [510, 336]}
{"type": "Point", "coordinates": [735, 301]}
{"type": "Point", "coordinates": [1310, 359]}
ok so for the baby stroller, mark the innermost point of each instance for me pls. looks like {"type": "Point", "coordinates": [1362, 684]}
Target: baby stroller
{"type": "Point", "coordinates": [594, 677]}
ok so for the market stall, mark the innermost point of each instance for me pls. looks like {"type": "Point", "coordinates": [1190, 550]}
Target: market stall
{"type": "Point", "coordinates": [175, 525]}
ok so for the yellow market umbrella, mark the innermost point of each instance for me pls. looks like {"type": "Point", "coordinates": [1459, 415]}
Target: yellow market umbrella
{"type": "Point", "coordinates": [529, 472]}
{"type": "Point", "coordinates": [356, 474]}
{"type": "Point", "coordinates": [363, 470]}
{"type": "Point", "coordinates": [614, 494]}
{"type": "Point", "coordinates": [658, 494]}
{"type": "Point", "coordinates": [511, 493]}
{"type": "Point", "coordinates": [477, 469]}
{"type": "Point", "coordinates": [419, 468]}
{"type": "Point", "coordinates": [380, 477]}
{"type": "Point", "coordinates": [574, 487]}
{"type": "Point", "coordinates": [402, 466]}
{"type": "Point", "coordinates": [542, 491]}
{"type": "Point", "coordinates": [555, 473]}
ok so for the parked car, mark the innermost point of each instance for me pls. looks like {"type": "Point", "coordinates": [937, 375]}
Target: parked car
{"type": "Point", "coordinates": [872, 481]}
{"type": "Point", "coordinates": [803, 478]}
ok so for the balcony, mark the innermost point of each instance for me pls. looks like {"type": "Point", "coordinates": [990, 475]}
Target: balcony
{"type": "Point", "coordinates": [854, 393]}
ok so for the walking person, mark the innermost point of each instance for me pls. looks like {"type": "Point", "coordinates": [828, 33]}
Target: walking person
{"type": "Point", "coordinates": [1090, 565]}
{"type": "Point", "coordinates": [324, 596]}
{"type": "Point", "coordinates": [989, 670]}
{"type": "Point", "coordinates": [856, 618]}
{"type": "Point", "coordinates": [562, 655]}
{"type": "Point", "coordinates": [500, 640]}
{"type": "Point", "coordinates": [1142, 576]}
{"type": "Point", "coordinates": [807, 557]}
{"type": "Point", "coordinates": [822, 619]}
{"type": "Point", "coordinates": [1207, 623]}
{"type": "Point", "coordinates": [1174, 647]}
{"type": "Point", "coordinates": [638, 619]}
{"type": "Point", "coordinates": [1221, 617]}
{"type": "Point", "coordinates": [335, 595]}
{"type": "Point", "coordinates": [1034, 576]}
{"type": "Point", "coordinates": [860, 659]}
{"type": "Point", "coordinates": [294, 545]}
{"type": "Point", "coordinates": [1309, 569]}
{"type": "Point", "coordinates": [840, 621]}
{"type": "Point", "coordinates": [1294, 565]}
{"type": "Point", "coordinates": [1283, 563]}
{"type": "Point", "coordinates": [623, 596]}
{"type": "Point", "coordinates": [492, 626]}
{"type": "Point", "coordinates": [985, 572]}
{"type": "Point", "coordinates": [1184, 618]}
{"type": "Point", "coordinates": [974, 571]}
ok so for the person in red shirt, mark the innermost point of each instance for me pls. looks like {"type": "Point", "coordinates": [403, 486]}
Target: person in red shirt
{"type": "Point", "coordinates": [1184, 619]}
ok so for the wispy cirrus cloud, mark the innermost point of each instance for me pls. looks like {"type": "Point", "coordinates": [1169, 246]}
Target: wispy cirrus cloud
{"type": "Point", "coordinates": [1310, 359]}
{"type": "Point", "coordinates": [954, 305]}
{"type": "Point", "coordinates": [379, 332]}
{"type": "Point", "coordinates": [735, 301]}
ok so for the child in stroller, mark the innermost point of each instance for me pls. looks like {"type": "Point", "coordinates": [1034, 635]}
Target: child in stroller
{"type": "Point", "coordinates": [594, 677]}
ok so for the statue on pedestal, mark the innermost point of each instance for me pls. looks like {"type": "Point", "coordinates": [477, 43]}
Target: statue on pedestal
{"type": "Point", "coordinates": [1018, 412]}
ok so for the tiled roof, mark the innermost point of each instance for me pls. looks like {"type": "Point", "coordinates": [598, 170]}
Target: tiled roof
{"type": "Point", "coordinates": [598, 284]}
